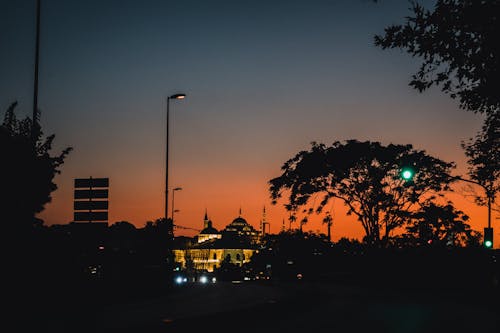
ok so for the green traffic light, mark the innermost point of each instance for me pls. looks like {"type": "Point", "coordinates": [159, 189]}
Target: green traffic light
{"type": "Point", "coordinates": [488, 238]}
{"type": "Point", "coordinates": [407, 174]}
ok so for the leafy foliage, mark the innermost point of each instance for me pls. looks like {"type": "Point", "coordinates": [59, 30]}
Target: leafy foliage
{"type": "Point", "coordinates": [483, 155]}
{"type": "Point", "coordinates": [366, 177]}
{"type": "Point", "coordinates": [27, 169]}
{"type": "Point", "coordinates": [458, 43]}
{"type": "Point", "coordinates": [441, 225]}
{"type": "Point", "coordinates": [289, 253]}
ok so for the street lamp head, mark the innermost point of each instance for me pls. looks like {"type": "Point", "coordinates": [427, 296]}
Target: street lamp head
{"type": "Point", "coordinates": [177, 96]}
{"type": "Point", "coordinates": [177, 188]}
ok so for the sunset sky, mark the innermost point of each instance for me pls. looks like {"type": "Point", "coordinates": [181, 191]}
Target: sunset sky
{"type": "Point", "coordinates": [263, 79]}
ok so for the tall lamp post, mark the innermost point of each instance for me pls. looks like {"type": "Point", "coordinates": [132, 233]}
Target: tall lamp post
{"type": "Point", "coordinates": [173, 194]}
{"type": "Point", "coordinates": [175, 96]}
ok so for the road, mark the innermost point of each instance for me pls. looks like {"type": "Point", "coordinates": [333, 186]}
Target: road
{"type": "Point", "coordinates": [288, 307]}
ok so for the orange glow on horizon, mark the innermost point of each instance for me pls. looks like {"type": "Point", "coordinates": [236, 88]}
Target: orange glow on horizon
{"type": "Point", "coordinates": [140, 205]}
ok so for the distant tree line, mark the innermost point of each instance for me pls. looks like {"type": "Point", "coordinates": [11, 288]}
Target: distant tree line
{"type": "Point", "coordinates": [297, 256]}
{"type": "Point", "coordinates": [105, 262]}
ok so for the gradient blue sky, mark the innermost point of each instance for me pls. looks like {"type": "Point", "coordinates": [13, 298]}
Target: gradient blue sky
{"type": "Point", "coordinates": [263, 79]}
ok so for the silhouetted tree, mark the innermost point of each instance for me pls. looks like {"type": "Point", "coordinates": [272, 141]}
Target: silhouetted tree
{"type": "Point", "coordinates": [27, 170]}
{"type": "Point", "coordinates": [228, 271]}
{"type": "Point", "coordinates": [296, 243]}
{"type": "Point", "coordinates": [328, 220]}
{"type": "Point", "coordinates": [349, 246]}
{"type": "Point", "coordinates": [123, 236]}
{"type": "Point", "coordinates": [366, 177]}
{"type": "Point", "coordinates": [158, 240]}
{"type": "Point", "coordinates": [458, 43]}
{"type": "Point", "coordinates": [483, 155]}
{"type": "Point", "coordinates": [441, 225]}
{"type": "Point", "coordinates": [288, 253]}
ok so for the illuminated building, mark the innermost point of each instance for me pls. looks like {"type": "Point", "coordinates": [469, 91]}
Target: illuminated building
{"type": "Point", "coordinates": [208, 232]}
{"type": "Point", "coordinates": [235, 244]}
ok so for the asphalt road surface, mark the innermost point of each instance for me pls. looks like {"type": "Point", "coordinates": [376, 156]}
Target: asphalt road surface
{"type": "Point", "coordinates": [286, 307]}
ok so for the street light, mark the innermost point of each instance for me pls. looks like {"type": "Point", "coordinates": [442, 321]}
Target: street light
{"type": "Point", "coordinates": [175, 96]}
{"type": "Point", "coordinates": [173, 193]}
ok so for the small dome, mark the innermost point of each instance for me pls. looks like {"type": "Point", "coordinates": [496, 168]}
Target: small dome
{"type": "Point", "coordinates": [209, 230]}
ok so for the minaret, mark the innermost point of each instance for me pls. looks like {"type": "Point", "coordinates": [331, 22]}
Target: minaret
{"type": "Point", "coordinates": [329, 221]}
{"type": "Point", "coordinates": [263, 223]}
{"type": "Point", "coordinates": [205, 220]}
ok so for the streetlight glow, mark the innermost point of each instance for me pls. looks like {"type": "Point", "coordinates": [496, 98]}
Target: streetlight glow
{"type": "Point", "coordinates": [178, 96]}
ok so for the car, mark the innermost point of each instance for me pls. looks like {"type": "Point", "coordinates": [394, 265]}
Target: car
{"type": "Point", "coordinates": [180, 279]}
{"type": "Point", "coordinates": [206, 278]}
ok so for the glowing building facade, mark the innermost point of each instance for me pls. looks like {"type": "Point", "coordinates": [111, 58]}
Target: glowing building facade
{"type": "Point", "coordinates": [235, 244]}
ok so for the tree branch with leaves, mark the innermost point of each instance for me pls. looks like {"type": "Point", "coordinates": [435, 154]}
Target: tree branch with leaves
{"type": "Point", "coordinates": [27, 170]}
{"type": "Point", "coordinates": [365, 176]}
{"type": "Point", "coordinates": [458, 44]}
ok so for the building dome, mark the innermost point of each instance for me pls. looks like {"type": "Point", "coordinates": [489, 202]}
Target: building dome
{"type": "Point", "coordinates": [208, 233]}
{"type": "Point", "coordinates": [239, 226]}
{"type": "Point", "coordinates": [239, 221]}
{"type": "Point", "coordinates": [209, 230]}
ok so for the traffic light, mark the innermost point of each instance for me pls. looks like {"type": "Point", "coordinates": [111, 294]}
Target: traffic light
{"type": "Point", "coordinates": [407, 173]}
{"type": "Point", "coordinates": [488, 238]}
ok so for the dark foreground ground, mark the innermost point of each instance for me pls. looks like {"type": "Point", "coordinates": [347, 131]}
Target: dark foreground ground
{"type": "Point", "coordinates": [421, 291]}
{"type": "Point", "coordinates": [300, 306]}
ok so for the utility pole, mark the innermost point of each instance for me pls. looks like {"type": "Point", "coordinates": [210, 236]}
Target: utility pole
{"type": "Point", "coordinates": [34, 124]}
{"type": "Point", "coordinates": [488, 231]}
{"type": "Point", "coordinates": [489, 195]}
